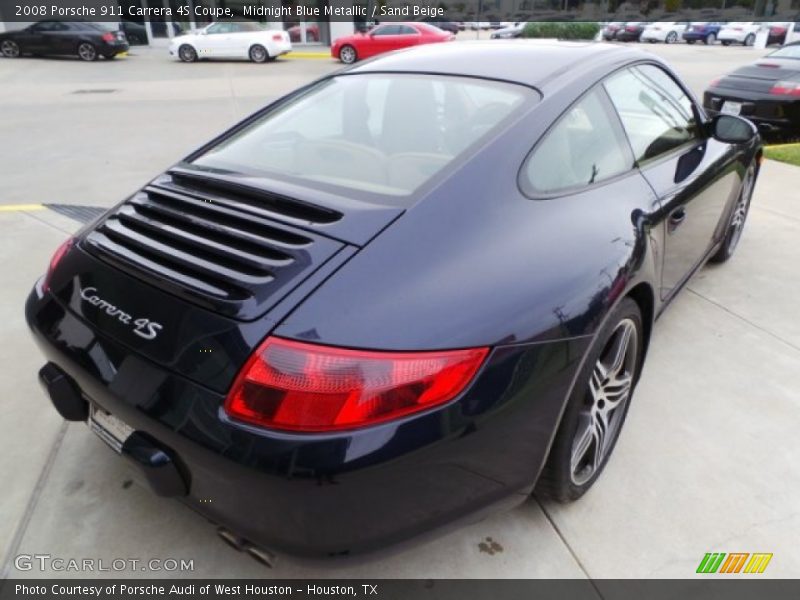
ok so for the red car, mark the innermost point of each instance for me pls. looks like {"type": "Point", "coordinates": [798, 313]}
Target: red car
{"type": "Point", "coordinates": [385, 38]}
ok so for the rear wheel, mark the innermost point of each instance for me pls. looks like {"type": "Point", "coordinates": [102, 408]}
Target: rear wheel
{"type": "Point", "coordinates": [348, 55]}
{"type": "Point", "coordinates": [87, 51]}
{"type": "Point", "coordinates": [750, 40]}
{"type": "Point", "coordinates": [738, 218]}
{"type": "Point", "coordinates": [10, 49]}
{"type": "Point", "coordinates": [597, 407]}
{"type": "Point", "coordinates": [710, 39]}
{"type": "Point", "coordinates": [671, 38]}
{"type": "Point", "coordinates": [187, 54]}
{"type": "Point", "coordinates": [258, 54]}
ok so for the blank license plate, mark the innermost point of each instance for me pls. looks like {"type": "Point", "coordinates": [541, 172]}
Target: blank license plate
{"type": "Point", "coordinates": [110, 429]}
{"type": "Point", "coordinates": [731, 108]}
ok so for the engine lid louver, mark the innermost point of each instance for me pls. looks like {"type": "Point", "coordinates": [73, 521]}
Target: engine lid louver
{"type": "Point", "coordinates": [215, 247]}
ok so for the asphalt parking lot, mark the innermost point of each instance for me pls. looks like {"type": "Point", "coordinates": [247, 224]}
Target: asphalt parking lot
{"type": "Point", "coordinates": [707, 461]}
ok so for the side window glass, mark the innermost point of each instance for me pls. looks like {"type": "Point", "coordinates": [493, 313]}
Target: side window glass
{"type": "Point", "coordinates": [386, 30]}
{"type": "Point", "coordinates": [406, 30]}
{"type": "Point", "coordinates": [656, 113]}
{"type": "Point", "coordinates": [585, 146]}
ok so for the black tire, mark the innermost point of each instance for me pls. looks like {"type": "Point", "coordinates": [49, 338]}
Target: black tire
{"type": "Point", "coordinates": [87, 52]}
{"type": "Point", "coordinates": [258, 54]}
{"type": "Point", "coordinates": [566, 478]}
{"type": "Point", "coordinates": [710, 39]}
{"type": "Point", "coordinates": [10, 49]}
{"type": "Point", "coordinates": [187, 53]}
{"type": "Point", "coordinates": [750, 40]}
{"type": "Point", "coordinates": [738, 218]}
{"type": "Point", "coordinates": [348, 54]}
{"type": "Point", "coordinates": [671, 38]}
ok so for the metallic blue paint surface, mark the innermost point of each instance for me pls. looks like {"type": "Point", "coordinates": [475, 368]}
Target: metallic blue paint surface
{"type": "Point", "coordinates": [471, 262]}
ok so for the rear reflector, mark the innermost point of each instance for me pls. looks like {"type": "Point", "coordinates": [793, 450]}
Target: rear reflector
{"type": "Point", "coordinates": [311, 388]}
{"type": "Point", "coordinates": [56, 258]}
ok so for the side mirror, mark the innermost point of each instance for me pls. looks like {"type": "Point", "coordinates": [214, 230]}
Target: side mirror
{"type": "Point", "coordinates": [732, 130]}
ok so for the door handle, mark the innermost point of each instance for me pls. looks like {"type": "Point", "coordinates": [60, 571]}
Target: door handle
{"type": "Point", "coordinates": [676, 218]}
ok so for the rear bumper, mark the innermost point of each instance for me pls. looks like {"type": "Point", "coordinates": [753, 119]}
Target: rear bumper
{"type": "Point", "coordinates": [326, 494]}
{"type": "Point", "coordinates": [771, 114]}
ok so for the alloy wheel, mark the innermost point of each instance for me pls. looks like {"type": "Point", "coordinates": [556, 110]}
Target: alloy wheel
{"type": "Point", "coordinates": [258, 54]}
{"type": "Point", "coordinates": [347, 55]}
{"type": "Point", "coordinates": [87, 51]}
{"type": "Point", "coordinates": [10, 49]}
{"type": "Point", "coordinates": [187, 54]}
{"type": "Point", "coordinates": [740, 210]}
{"type": "Point", "coordinates": [609, 390]}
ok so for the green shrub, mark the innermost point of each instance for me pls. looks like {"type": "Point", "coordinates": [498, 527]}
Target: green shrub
{"type": "Point", "coordinates": [562, 31]}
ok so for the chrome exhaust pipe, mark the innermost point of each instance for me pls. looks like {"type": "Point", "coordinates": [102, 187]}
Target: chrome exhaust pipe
{"type": "Point", "coordinates": [265, 557]}
{"type": "Point", "coordinates": [230, 538]}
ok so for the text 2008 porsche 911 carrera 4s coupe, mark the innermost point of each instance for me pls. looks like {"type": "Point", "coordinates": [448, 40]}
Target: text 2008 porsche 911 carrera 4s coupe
{"type": "Point", "coordinates": [400, 296]}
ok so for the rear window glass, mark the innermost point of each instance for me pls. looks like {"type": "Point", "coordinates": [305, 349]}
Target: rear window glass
{"type": "Point", "coordinates": [385, 135]}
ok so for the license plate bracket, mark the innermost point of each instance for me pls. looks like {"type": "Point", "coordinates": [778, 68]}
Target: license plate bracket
{"type": "Point", "coordinates": [729, 107]}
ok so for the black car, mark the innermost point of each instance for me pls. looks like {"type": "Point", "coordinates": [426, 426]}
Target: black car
{"type": "Point", "coordinates": [630, 32]}
{"type": "Point", "coordinates": [87, 41]}
{"type": "Point", "coordinates": [609, 32]}
{"type": "Point", "coordinates": [767, 92]}
{"type": "Point", "coordinates": [443, 24]}
{"type": "Point", "coordinates": [328, 333]}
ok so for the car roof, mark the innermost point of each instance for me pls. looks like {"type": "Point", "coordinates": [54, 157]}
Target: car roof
{"type": "Point", "coordinates": [529, 62]}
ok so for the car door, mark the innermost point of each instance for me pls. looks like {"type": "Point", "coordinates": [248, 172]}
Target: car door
{"type": "Point", "coordinates": [406, 36]}
{"type": "Point", "coordinates": [62, 38]}
{"type": "Point", "coordinates": [32, 39]}
{"type": "Point", "coordinates": [381, 39]}
{"type": "Point", "coordinates": [213, 42]}
{"type": "Point", "coordinates": [691, 173]}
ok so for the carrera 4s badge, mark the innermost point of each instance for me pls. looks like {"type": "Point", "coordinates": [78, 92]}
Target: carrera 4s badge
{"type": "Point", "coordinates": [142, 327]}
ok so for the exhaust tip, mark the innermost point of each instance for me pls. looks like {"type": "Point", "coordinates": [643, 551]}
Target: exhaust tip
{"type": "Point", "coordinates": [230, 538]}
{"type": "Point", "coordinates": [265, 557]}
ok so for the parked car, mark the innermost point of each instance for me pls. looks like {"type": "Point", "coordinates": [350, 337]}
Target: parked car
{"type": "Point", "coordinates": [87, 41]}
{"type": "Point", "coordinates": [510, 32]}
{"type": "Point", "coordinates": [609, 32]}
{"type": "Point", "coordinates": [739, 33]}
{"type": "Point", "coordinates": [444, 25]}
{"type": "Point", "coordinates": [702, 32]}
{"type": "Point", "coordinates": [631, 31]}
{"type": "Point", "coordinates": [668, 32]}
{"type": "Point", "coordinates": [242, 39]}
{"type": "Point", "coordinates": [777, 33]}
{"type": "Point", "coordinates": [275, 330]}
{"type": "Point", "coordinates": [312, 33]}
{"type": "Point", "coordinates": [385, 38]}
{"type": "Point", "coordinates": [766, 91]}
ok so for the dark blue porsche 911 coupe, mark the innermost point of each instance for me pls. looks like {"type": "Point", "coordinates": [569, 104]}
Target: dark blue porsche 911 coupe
{"type": "Point", "coordinates": [407, 293]}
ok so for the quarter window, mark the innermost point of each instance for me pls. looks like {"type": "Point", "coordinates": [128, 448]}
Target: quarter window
{"type": "Point", "coordinates": [586, 146]}
{"type": "Point", "coordinates": [656, 113]}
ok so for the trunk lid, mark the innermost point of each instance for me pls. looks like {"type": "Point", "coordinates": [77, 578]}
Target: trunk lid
{"type": "Point", "coordinates": [760, 76]}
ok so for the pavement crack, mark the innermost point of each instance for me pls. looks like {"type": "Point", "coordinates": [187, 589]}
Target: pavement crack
{"type": "Point", "coordinates": [744, 319]}
{"type": "Point", "coordinates": [16, 541]}
{"type": "Point", "coordinates": [569, 547]}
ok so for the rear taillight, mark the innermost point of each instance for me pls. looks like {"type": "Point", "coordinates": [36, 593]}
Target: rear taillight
{"type": "Point", "coordinates": [714, 82]}
{"type": "Point", "coordinates": [108, 37]}
{"type": "Point", "coordinates": [56, 258]}
{"type": "Point", "coordinates": [312, 388]}
{"type": "Point", "coordinates": [786, 88]}
{"type": "Point", "coordinates": [277, 37]}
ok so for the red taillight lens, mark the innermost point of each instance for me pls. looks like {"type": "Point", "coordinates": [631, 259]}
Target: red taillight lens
{"type": "Point", "coordinates": [56, 258]}
{"type": "Point", "coordinates": [108, 37]}
{"type": "Point", "coordinates": [714, 82]}
{"type": "Point", "coordinates": [786, 88]}
{"type": "Point", "coordinates": [307, 387]}
{"type": "Point", "coordinates": [277, 37]}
